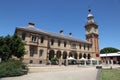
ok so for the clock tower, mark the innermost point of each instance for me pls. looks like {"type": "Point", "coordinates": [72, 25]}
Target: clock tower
{"type": "Point", "coordinates": [91, 29]}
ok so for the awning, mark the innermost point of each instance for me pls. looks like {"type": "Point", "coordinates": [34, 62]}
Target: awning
{"type": "Point", "coordinates": [71, 58]}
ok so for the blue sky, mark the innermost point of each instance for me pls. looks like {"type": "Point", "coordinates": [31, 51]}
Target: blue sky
{"type": "Point", "coordinates": [68, 15]}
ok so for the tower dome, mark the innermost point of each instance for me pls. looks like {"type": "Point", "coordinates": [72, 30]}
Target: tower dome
{"type": "Point", "coordinates": [90, 16]}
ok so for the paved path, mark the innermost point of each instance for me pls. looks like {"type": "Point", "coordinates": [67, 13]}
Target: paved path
{"type": "Point", "coordinates": [62, 73]}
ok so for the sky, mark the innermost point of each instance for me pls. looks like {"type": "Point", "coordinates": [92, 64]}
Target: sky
{"type": "Point", "coordinates": [67, 15]}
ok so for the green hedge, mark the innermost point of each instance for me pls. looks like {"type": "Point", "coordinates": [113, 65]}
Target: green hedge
{"type": "Point", "coordinates": [12, 68]}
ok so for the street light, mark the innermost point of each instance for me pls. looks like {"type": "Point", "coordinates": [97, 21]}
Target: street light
{"type": "Point", "coordinates": [0, 60]}
{"type": "Point", "coordinates": [106, 57]}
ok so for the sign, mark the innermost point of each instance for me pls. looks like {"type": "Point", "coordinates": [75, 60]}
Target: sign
{"type": "Point", "coordinates": [97, 55]}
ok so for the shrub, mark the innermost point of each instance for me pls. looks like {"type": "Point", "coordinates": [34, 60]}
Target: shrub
{"type": "Point", "coordinates": [54, 60]}
{"type": "Point", "coordinates": [12, 68]}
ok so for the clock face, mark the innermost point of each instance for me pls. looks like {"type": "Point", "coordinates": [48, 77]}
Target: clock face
{"type": "Point", "coordinates": [95, 29]}
{"type": "Point", "coordinates": [88, 29]}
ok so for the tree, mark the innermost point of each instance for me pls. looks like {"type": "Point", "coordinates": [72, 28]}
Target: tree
{"type": "Point", "coordinates": [109, 50]}
{"type": "Point", "coordinates": [11, 46]}
{"type": "Point", "coordinates": [5, 48]}
{"type": "Point", "coordinates": [2, 42]}
{"type": "Point", "coordinates": [7, 45]}
{"type": "Point", "coordinates": [17, 48]}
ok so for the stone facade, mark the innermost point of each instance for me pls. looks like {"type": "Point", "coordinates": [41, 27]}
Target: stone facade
{"type": "Point", "coordinates": [41, 46]}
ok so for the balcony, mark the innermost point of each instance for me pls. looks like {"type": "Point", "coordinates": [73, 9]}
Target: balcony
{"type": "Point", "coordinates": [33, 43]}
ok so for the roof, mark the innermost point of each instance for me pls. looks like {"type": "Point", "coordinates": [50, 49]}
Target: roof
{"type": "Point", "coordinates": [110, 54]}
{"type": "Point", "coordinates": [39, 31]}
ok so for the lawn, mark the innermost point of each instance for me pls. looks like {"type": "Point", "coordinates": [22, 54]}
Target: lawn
{"type": "Point", "coordinates": [110, 74]}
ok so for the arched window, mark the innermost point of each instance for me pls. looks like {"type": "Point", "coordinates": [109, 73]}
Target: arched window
{"type": "Point", "coordinates": [51, 54]}
{"type": "Point", "coordinates": [89, 56]}
{"type": "Point", "coordinates": [70, 54]}
{"type": "Point", "coordinates": [64, 55]}
{"type": "Point", "coordinates": [75, 55]}
{"type": "Point", "coordinates": [84, 55]}
{"type": "Point", "coordinates": [58, 54]}
{"type": "Point", "coordinates": [80, 56]}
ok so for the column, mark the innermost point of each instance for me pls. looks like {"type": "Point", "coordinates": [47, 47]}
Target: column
{"type": "Point", "coordinates": [60, 60]}
{"type": "Point", "coordinates": [47, 57]}
{"type": "Point", "coordinates": [91, 62]}
{"type": "Point", "coordinates": [111, 62]}
{"type": "Point", "coordinates": [55, 52]}
{"type": "Point", "coordinates": [85, 62]}
{"type": "Point", "coordinates": [77, 57]}
{"type": "Point", "coordinates": [67, 59]}
{"type": "Point", "coordinates": [97, 62]}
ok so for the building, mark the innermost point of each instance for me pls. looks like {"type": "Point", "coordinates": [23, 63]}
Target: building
{"type": "Point", "coordinates": [41, 46]}
{"type": "Point", "coordinates": [108, 57]}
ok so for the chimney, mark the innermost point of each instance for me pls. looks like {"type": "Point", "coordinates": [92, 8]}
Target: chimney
{"type": "Point", "coordinates": [70, 34]}
{"type": "Point", "coordinates": [30, 24]}
{"type": "Point", "coordinates": [61, 32]}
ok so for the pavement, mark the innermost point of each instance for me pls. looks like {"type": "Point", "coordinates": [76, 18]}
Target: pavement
{"type": "Point", "coordinates": [59, 73]}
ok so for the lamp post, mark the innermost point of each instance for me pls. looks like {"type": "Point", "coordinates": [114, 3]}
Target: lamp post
{"type": "Point", "coordinates": [106, 57]}
{"type": "Point", "coordinates": [107, 61]}
{"type": "Point", "coordinates": [0, 60]}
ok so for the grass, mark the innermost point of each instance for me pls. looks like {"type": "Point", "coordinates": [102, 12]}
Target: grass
{"type": "Point", "coordinates": [110, 74]}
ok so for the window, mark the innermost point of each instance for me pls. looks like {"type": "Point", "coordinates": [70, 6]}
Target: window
{"type": "Point", "coordinates": [65, 44]}
{"type": "Point", "coordinates": [80, 46]}
{"type": "Point", "coordinates": [23, 36]}
{"type": "Point", "coordinates": [31, 52]}
{"type": "Point", "coordinates": [52, 41]}
{"type": "Point", "coordinates": [40, 62]}
{"type": "Point", "coordinates": [88, 47]}
{"type": "Point", "coordinates": [31, 61]}
{"type": "Point", "coordinates": [59, 42]}
{"type": "Point", "coordinates": [89, 56]}
{"type": "Point", "coordinates": [80, 55]}
{"type": "Point", "coordinates": [40, 53]}
{"type": "Point", "coordinates": [84, 55]}
{"type": "Point", "coordinates": [42, 39]}
{"type": "Point", "coordinates": [84, 46]}
{"type": "Point", "coordinates": [33, 38]}
{"type": "Point", "coordinates": [73, 45]}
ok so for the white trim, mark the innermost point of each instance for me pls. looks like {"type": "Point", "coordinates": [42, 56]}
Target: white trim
{"type": "Point", "coordinates": [109, 54]}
